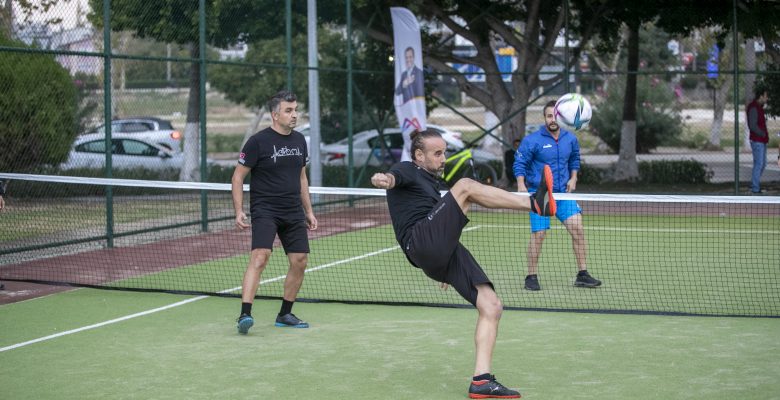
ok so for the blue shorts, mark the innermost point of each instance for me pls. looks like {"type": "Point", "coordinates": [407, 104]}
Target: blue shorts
{"type": "Point", "coordinates": [566, 209]}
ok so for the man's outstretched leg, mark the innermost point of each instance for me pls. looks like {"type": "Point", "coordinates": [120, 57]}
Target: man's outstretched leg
{"type": "Point", "coordinates": [467, 191]}
{"type": "Point", "coordinates": [484, 385]}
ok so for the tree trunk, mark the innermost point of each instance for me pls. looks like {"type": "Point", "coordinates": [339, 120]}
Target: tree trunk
{"type": "Point", "coordinates": [721, 98]}
{"type": "Point", "coordinates": [627, 168]}
{"type": "Point", "coordinates": [750, 65]}
{"type": "Point", "coordinates": [252, 128]}
{"type": "Point", "coordinates": [7, 19]}
{"type": "Point", "coordinates": [722, 91]}
{"type": "Point", "coordinates": [190, 170]}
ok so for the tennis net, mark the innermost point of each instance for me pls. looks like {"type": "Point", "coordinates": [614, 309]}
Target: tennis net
{"type": "Point", "coordinates": [693, 255]}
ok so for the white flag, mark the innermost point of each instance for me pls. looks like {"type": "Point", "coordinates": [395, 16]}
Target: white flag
{"type": "Point", "coordinates": [409, 81]}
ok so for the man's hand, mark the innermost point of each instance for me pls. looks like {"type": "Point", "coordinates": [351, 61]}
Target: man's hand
{"type": "Point", "coordinates": [571, 184]}
{"type": "Point", "coordinates": [383, 181]}
{"type": "Point", "coordinates": [311, 221]}
{"type": "Point", "coordinates": [241, 220]}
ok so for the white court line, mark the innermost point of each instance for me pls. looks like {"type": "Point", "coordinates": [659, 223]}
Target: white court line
{"type": "Point", "coordinates": [654, 230]}
{"type": "Point", "coordinates": [183, 302]}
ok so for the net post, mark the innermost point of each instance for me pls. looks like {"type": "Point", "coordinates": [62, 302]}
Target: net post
{"type": "Point", "coordinates": [107, 119]}
{"type": "Point", "coordinates": [736, 98]}
{"type": "Point", "coordinates": [204, 204]}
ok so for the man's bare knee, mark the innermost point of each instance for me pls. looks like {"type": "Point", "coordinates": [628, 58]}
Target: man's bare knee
{"type": "Point", "coordinates": [298, 260]}
{"type": "Point", "coordinates": [488, 303]}
{"type": "Point", "coordinates": [465, 185]}
{"type": "Point", "coordinates": [259, 259]}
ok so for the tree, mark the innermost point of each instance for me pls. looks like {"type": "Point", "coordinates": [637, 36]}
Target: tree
{"type": "Point", "coordinates": [721, 86]}
{"type": "Point", "coordinates": [39, 121]}
{"type": "Point", "coordinates": [633, 15]}
{"type": "Point", "coordinates": [263, 74]}
{"type": "Point", "coordinates": [658, 118]}
{"type": "Point", "coordinates": [176, 21]}
{"type": "Point", "coordinates": [28, 8]}
{"type": "Point", "coordinates": [535, 26]}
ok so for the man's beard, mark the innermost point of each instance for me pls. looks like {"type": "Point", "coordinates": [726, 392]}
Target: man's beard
{"type": "Point", "coordinates": [553, 126]}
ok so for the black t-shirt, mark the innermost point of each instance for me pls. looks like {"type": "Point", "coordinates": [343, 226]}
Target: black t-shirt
{"type": "Point", "coordinates": [276, 161]}
{"type": "Point", "coordinates": [415, 193]}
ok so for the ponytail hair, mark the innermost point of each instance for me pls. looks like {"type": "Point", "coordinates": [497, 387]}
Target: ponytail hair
{"type": "Point", "coordinates": [418, 137]}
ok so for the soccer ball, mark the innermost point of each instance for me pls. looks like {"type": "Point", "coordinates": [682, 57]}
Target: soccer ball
{"type": "Point", "coordinates": [573, 111]}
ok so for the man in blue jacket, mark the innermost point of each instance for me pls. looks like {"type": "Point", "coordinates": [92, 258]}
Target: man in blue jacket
{"type": "Point", "coordinates": [561, 151]}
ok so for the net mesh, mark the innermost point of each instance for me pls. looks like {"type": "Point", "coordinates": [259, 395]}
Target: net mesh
{"type": "Point", "coordinates": [655, 254]}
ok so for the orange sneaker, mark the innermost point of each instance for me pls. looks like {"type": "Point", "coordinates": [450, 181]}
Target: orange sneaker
{"type": "Point", "coordinates": [543, 198]}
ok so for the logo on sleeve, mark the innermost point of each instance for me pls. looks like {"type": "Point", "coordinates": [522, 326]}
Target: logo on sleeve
{"type": "Point", "coordinates": [242, 158]}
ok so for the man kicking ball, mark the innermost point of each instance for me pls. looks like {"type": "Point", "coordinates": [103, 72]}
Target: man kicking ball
{"type": "Point", "coordinates": [428, 228]}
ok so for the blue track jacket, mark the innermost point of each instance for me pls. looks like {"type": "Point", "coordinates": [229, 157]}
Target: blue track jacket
{"type": "Point", "coordinates": [538, 149]}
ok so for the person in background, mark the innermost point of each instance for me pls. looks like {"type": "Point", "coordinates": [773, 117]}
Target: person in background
{"type": "Point", "coordinates": [509, 161]}
{"type": "Point", "coordinates": [759, 136]}
{"type": "Point", "coordinates": [280, 205]}
{"type": "Point", "coordinates": [550, 145]}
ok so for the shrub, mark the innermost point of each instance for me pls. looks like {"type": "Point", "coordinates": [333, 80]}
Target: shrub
{"type": "Point", "coordinates": [336, 176]}
{"type": "Point", "coordinates": [38, 106]}
{"type": "Point", "coordinates": [674, 172]}
{"type": "Point", "coordinates": [590, 175]}
{"type": "Point", "coordinates": [658, 121]}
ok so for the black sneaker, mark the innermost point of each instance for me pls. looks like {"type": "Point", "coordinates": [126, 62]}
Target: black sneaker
{"type": "Point", "coordinates": [585, 280]}
{"type": "Point", "coordinates": [543, 198]}
{"type": "Point", "coordinates": [245, 321]}
{"type": "Point", "coordinates": [290, 321]}
{"type": "Point", "coordinates": [491, 389]}
{"type": "Point", "coordinates": [532, 283]}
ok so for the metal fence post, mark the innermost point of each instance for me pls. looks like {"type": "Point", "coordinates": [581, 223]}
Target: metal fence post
{"type": "Point", "coordinates": [107, 117]}
{"type": "Point", "coordinates": [204, 200]}
{"type": "Point", "coordinates": [736, 99]}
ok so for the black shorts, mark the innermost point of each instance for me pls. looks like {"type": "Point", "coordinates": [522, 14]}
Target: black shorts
{"type": "Point", "coordinates": [292, 234]}
{"type": "Point", "coordinates": [433, 245]}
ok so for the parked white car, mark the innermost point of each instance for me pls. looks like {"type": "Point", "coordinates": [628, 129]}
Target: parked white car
{"type": "Point", "coordinates": [365, 147]}
{"type": "Point", "coordinates": [89, 151]}
{"type": "Point", "coordinates": [150, 129]}
{"type": "Point", "coordinates": [305, 130]}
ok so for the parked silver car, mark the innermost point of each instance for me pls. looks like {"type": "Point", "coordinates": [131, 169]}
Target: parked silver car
{"type": "Point", "coordinates": [89, 151]}
{"type": "Point", "coordinates": [365, 146]}
{"type": "Point", "coordinates": [152, 129]}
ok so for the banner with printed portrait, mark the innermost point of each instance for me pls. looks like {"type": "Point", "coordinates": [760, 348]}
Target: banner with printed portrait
{"type": "Point", "coordinates": [409, 96]}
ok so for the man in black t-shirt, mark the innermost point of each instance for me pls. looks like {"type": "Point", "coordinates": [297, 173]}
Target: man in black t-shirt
{"type": "Point", "coordinates": [279, 204]}
{"type": "Point", "coordinates": [428, 228]}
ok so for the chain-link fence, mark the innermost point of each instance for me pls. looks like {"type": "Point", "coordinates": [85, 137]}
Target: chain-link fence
{"type": "Point", "coordinates": [185, 83]}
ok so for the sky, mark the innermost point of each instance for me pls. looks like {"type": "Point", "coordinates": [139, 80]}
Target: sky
{"type": "Point", "coordinates": [64, 9]}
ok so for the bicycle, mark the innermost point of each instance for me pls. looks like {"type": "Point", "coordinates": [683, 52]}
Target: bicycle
{"type": "Point", "coordinates": [462, 164]}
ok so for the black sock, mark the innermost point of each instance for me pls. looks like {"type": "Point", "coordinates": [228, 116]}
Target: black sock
{"type": "Point", "coordinates": [582, 273]}
{"type": "Point", "coordinates": [483, 377]}
{"type": "Point", "coordinates": [286, 307]}
{"type": "Point", "coordinates": [246, 308]}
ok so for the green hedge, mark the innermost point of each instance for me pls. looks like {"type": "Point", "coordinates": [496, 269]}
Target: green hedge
{"type": "Point", "coordinates": [664, 172]}
{"type": "Point", "coordinates": [674, 172]}
{"type": "Point", "coordinates": [38, 109]}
